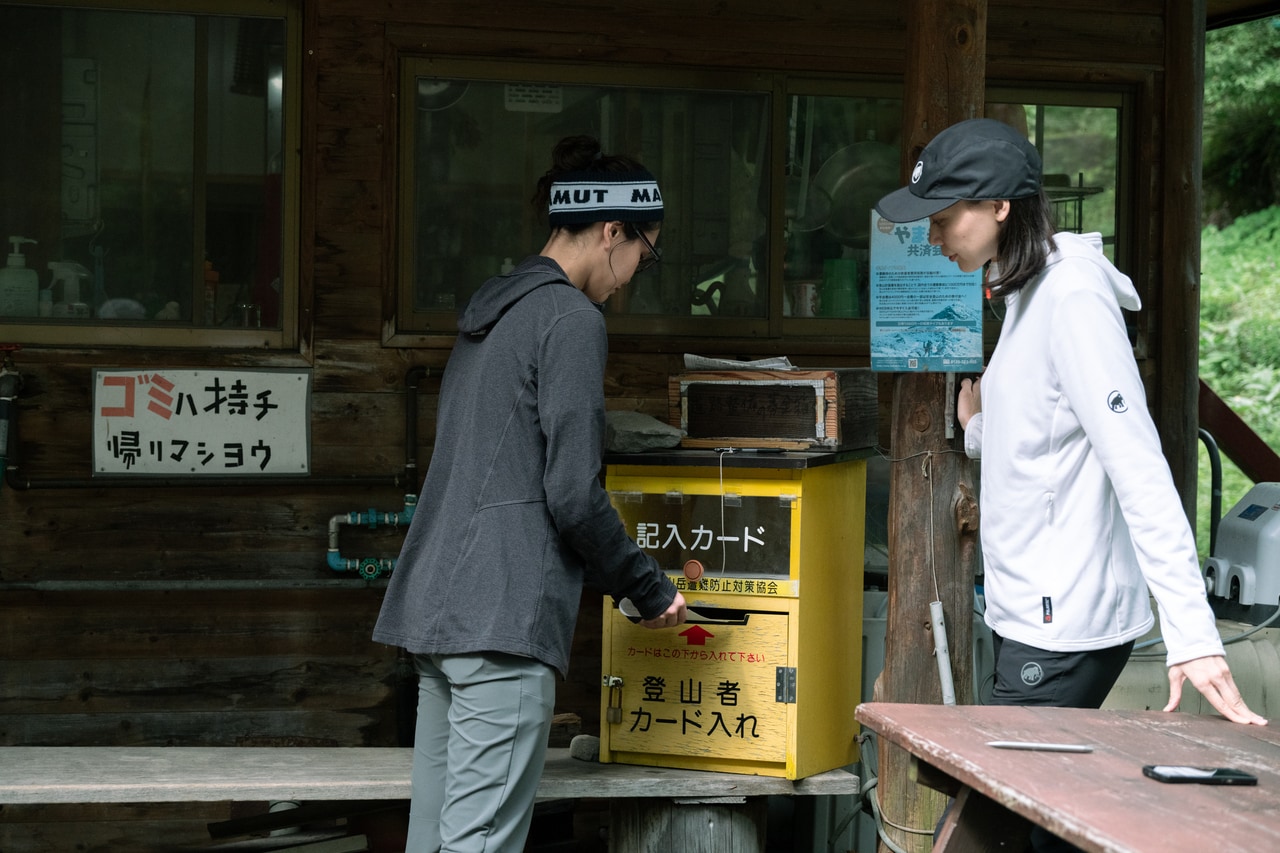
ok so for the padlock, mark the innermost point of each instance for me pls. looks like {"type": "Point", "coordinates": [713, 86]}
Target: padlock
{"type": "Point", "coordinates": [613, 713]}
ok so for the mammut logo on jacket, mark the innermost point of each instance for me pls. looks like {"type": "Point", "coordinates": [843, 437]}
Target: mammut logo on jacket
{"type": "Point", "coordinates": [1116, 402]}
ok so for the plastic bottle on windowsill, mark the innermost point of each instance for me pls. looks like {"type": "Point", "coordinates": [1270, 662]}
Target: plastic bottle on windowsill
{"type": "Point", "coordinates": [64, 289]}
{"type": "Point", "coordinates": [19, 284]}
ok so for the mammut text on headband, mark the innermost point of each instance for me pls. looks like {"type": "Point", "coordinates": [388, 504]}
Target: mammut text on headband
{"type": "Point", "coordinates": [603, 197]}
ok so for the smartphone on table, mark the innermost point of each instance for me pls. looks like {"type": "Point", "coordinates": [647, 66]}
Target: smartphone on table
{"type": "Point", "coordinates": [1199, 775]}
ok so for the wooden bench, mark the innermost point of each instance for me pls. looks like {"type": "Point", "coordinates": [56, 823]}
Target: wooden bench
{"type": "Point", "coordinates": [650, 807]}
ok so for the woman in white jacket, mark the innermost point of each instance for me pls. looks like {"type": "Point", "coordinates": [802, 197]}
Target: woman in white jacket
{"type": "Point", "coordinates": [1080, 517]}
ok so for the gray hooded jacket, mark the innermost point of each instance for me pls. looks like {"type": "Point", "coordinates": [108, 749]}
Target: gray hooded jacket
{"type": "Point", "coordinates": [512, 516]}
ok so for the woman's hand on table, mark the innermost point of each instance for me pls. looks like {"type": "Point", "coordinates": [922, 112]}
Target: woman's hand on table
{"type": "Point", "coordinates": [1212, 677]}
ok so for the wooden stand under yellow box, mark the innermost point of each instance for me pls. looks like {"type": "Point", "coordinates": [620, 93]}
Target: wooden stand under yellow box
{"type": "Point", "coordinates": [767, 549]}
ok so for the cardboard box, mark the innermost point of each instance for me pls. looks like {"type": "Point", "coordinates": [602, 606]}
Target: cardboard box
{"type": "Point", "coordinates": [809, 409]}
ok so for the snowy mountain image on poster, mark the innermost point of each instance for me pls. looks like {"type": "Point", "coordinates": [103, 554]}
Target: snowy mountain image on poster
{"type": "Point", "coordinates": [949, 339]}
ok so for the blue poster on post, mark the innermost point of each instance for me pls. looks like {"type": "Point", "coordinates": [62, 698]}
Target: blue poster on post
{"type": "Point", "coordinates": [926, 315]}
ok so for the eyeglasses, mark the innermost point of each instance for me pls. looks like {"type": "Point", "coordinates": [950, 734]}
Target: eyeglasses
{"type": "Point", "coordinates": [650, 260]}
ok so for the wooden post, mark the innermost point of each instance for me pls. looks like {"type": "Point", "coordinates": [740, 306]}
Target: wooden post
{"type": "Point", "coordinates": [1177, 305]}
{"type": "Point", "coordinates": [932, 500]}
{"type": "Point", "coordinates": [712, 825]}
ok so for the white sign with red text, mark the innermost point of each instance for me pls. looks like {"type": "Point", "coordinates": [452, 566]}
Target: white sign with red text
{"type": "Point", "coordinates": [201, 423]}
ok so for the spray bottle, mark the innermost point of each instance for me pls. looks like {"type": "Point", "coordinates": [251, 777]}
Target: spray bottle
{"type": "Point", "coordinates": [19, 285]}
{"type": "Point", "coordinates": [66, 290]}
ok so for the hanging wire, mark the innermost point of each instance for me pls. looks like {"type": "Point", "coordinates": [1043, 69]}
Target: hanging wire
{"type": "Point", "coordinates": [869, 792]}
{"type": "Point", "coordinates": [1226, 641]}
{"type": "Point", "coordinates": [926, 470]}
{"type": "Point", "coordinates": [724, 548]}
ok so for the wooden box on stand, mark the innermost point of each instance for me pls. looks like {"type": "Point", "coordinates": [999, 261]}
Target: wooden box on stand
{"type": "Point", "coordinates": [796, 409]}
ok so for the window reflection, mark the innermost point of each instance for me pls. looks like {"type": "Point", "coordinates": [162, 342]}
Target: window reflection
{"type": "Point", "coordinates": [842, 156]}
{"type": "Point", "coordinates": [769, 180]}
{"type": "Point", "coordinates": [1080, 148]}
{"type": "Point", "coordinates": [478, 148]}
{"type": "Point", "coordinates": [148, 168]}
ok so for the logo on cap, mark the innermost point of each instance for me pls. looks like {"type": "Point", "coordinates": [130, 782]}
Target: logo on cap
{"type": "Point", "coordinates": [917, 172]}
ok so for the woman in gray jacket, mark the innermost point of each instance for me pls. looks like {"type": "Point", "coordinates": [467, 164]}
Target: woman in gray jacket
{"type": "Point", "coordinates": [512, 516]}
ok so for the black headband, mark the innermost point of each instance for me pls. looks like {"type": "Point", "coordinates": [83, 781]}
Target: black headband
{"type": "Point", "coordinates": [579, 198]}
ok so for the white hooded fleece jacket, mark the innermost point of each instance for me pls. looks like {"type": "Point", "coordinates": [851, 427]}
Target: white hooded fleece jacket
{"type": "Point", "coordinates": [1079, 512]}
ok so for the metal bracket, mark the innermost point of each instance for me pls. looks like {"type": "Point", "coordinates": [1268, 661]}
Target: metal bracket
{"type": "Point", "coordinates": [950, 416]}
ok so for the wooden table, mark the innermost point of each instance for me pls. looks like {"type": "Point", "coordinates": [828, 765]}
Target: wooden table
{"type": "Point", "coordinates": [688, 810]}
{"type": "Point", "coordinates": [1099, 801]}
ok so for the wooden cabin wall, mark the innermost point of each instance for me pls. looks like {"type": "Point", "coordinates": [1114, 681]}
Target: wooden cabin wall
{"type": "Point", "coordinates": [205, 614]}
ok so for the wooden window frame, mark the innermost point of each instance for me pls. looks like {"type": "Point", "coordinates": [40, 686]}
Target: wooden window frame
{"type": "Point", "coordinates": [100, 333]}
{"type": "Point", "coordinates": [647, 331]}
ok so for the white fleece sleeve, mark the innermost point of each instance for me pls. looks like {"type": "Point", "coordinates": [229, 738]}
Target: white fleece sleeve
{"type": "Point", "coordinates": [1097, 372]}
{"type": "Point", "coordinates": [973, 437]}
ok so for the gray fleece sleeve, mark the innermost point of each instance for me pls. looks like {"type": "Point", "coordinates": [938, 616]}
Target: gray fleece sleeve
{"type": "Point", "coordinates": [571, 365]}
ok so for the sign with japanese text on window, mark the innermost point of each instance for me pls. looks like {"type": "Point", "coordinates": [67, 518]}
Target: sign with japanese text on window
{"type": "Point", "coordinates": [162, 422]}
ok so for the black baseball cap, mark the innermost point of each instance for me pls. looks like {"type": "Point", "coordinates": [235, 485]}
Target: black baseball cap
{"type": "Point", "coordinates": [975, 160]}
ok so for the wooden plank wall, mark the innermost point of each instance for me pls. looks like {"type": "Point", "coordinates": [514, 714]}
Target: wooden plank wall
{"type": "Point", "coordinates": [206, 615]}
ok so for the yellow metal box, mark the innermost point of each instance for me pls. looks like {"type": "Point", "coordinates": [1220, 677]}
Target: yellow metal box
{"type": "Point", "coordinates": [764, 678]}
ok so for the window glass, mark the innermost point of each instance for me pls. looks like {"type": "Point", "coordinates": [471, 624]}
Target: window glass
{"type": "Point", "coordinates": [768, 195]}
{"type": "Point", "coordinates": [1080, 148]}
{"type": "Point", "coordinates": [842, 156]}
{"type": "Point", "coordinates": [148, 170]}
{"type": "Point", "coordinates": [769, 181]}
{"type": "Point", "coordinates": [479, 146]}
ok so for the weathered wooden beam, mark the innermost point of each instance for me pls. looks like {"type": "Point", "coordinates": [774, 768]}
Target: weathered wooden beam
{"type": "Point", "coordinates": [932, 505]}
{"type": "Point", "coordinates": [1239, 443]}
{"type": "Point", "coordinates": [1177, 305]}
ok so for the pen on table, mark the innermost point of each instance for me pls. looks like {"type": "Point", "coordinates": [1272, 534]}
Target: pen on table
{"type": "Point", "coordinates": [1040, 747]}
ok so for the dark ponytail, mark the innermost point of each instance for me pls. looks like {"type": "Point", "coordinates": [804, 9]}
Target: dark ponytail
{"type": "Point", "coordinates": [1026, 239]}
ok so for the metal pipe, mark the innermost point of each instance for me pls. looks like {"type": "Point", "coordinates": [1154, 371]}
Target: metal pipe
{"type": "Point", "coordinates": [367, 567]}
{"type": "Point", "coordinates": [412, 378]}
{"type": "Point", "coordinates": [10, 384]}
{"type": "Point", "coordinates": [1215, 496]}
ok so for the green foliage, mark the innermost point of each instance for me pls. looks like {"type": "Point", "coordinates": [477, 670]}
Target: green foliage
{"type": "Point", "coordinates": [1242, 63]}
{"type": "Point", "coordinates": [1240, 288]}
{"type": "Point", "coordinates": [1241, 117]}
{"type": "Point", "coordinates": [1242, 157]}
{"type": "Point", "coordinates": [1239, 343]}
